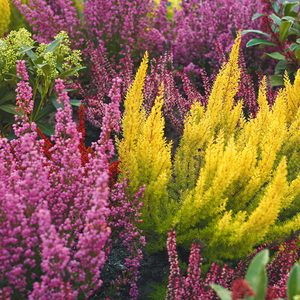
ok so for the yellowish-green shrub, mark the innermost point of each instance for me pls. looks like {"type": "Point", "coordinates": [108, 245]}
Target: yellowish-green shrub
{"type": "Point", "coordinates": [4, 16]}
{"type": "Point", "coordinates": [235, 183]}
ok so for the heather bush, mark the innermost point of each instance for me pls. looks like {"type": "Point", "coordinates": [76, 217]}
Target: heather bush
{"type": "Point", "coordinates": [53, 209]}
{"type": "Point", "coordinates": [231, 180]}
{"type": "Point", "coordinates": [246, 279]}
{"type": "Point", "coordinates": [133, 26]}
{"type": "Point", "coordinates": [45, 63]}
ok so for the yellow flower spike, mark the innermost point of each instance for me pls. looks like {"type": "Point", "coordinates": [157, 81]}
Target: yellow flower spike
{"type": "Point", "coordinates": [4, 16]}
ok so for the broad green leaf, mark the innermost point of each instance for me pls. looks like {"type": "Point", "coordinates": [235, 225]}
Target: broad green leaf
{"type": "Point", "coordinates": [289, 8]}
{"type": "Point", "coordinates": [276, 80]}
{"type": "Point", "coordinates": [256, 31]}
{"type": "Point", "coordinates": [293, 282]}
{"type": "Point", "coordinates": [294, 47]}
{"type": "Point", "coordinates": [8, 96]}
{"type": "Point", "coordinates": [69, 72]}
{"type": "Point", "coordinates": [31, 55]}
{"type": "Point", "coordinates": [46, 128]}
{"type": "Point", "coordinates": [25, 48]}
{"type": "Point", "coordinates": [75, 102]}
{"type": "Point", "coordinates": [55, 103]}
{"type": "Point", "coordinates": [261, 42]}
{"type": "Point", "coordinates": [284, 30]}
{"type": "Point", "coordinates": [256, 275]}
{"type": "Point", "coordinates": [274, 55]}
{"type": "Point", "coordinates": [297, 53]}
{"type": "Point", "coordinates": [288, 18]}
{"type": "Point", "coordinates": [281, 66]}
{"type": "Point", "coordinates": [276, 19]}
{"type": "Point", "coordinates": [256, 16]}
{"type": "Point", "coordinates": [276, 7]}
{"type": "Point", "coordinates": [45, 112]}
{"type": "Point", "coordinates": [53, 46]}
{"type": "Point", "coordinates": [11, 109]}
{"type": "Point", "coordinates": [294, 31]}
{"type": "Point", "coordinates": [298, 41]}
{"type": "Point", "coordinates": [222, 292]}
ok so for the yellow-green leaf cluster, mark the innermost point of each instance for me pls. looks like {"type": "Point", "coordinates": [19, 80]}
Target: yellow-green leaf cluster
{"type": "Point", "coordinates": [145, 156]}
{"type": "Point", "coordinates": [4, 16]}
{"type": "Point", "coordinates": [231, 175]}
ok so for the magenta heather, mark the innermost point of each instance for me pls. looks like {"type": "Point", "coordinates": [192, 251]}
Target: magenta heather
{"type": "Point", "coordinates": [193, 286]}
{"type": "Point", "coordinates": [53, 211]}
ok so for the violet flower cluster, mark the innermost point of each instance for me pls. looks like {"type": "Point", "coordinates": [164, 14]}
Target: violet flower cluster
{"type": "Point", "coordinates": [193, 286]}
{"type": "Point", "coordinates": [133, 26]}
{"type": "Point", "coordinates": [53, 211]}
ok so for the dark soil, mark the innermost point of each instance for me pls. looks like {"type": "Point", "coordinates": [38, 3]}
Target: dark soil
{"type": "Point", "coordinates": [154, 269]}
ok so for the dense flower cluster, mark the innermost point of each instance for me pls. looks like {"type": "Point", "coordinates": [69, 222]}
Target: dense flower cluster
{"type": "Point", "coordinates": [194, 287]}
{"type": "Point", "coordinates": [54, 211]}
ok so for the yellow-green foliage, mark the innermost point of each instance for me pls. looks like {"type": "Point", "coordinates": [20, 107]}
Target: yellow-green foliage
{"type": "Point", "coordinates": [238, 194]}
{"type": "Point", "coordinates": [10, 47]}
{"type": "Point", "coordinates": [144, 152]}
{"type": "Point", "coordinates": [235, 183]}
{"type": "Point", "coordinates": [202, 126]}
{"type": "Point", "coordinates": [4, 16]}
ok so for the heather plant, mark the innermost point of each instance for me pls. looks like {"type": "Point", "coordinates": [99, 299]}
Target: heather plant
{"type": "Point", "coordinates": [200, 25]}
{"type": "Point", "coordinates": [45, 63]}
{"type": "Point", "coordinates": [53, 211]}
{"type": "Point", "coordinates": [248, 278]}
{"type": "Point", "coordinates": [144, 152]}
{"type": "Point", "coordinates": [235, 182]}
{"type": "Point", "coordinates": [120, 26]}
{"type": "Point", "coordinates": [281, 28]}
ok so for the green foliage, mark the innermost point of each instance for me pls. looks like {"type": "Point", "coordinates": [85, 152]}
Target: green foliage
{"type": "Point", "coordinates": [285, 27]}
{"type": "Point", "coordinates": [257, 278]}
{"type": "Point", "coordinates": [44, 64]}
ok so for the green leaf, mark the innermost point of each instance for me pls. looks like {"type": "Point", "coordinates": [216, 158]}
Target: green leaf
{"type": "Point", "coordinates": [289, 8]}
{"type": "Point", "coordinates": [256, 31]}
{"type": "Point", "coordinates": [276, 7]}
{"type": "Point", "coordinates": [25, 48]}
{"type": "Point", "coordinates": [274, 55]}
{"type": "Point", "coordinates": [256, 274]}
{"type": "Point", "coordinates": [53, 46]}
{"type": "Point", "coordinates": [10, 108]}
{"type": "Point", "coordinates": [256, 16]}
{"type": "Point", "coordinates": [294, 31]}
{"type": "Point", "coordinates": [75, 102]}
{"type": "Point", "coordinates": [55, 103]}
{"type": "Point", "coordinates": [31, 55]}
{"type": "Point", "coordinates": [255, 42]}
{"type": "Point", "coordinates": [44, 112]}
{"type": "Point", "coordinates": [46, 128]}
{"type": "Point", "coordinates": [284, 30]}
{"type": "Point", "coordinates": [293, 282]}
{"type": "Point", "coordinates": [297, 53]}
{"type": "Point", "coordinates": [276, 80]}
{"type": "Point", "coordinates": [288, 18]}
{"type": "Point", "coordinates": [222, 292]}
{"type": "Point", "coordinates": [8, 96]}
{"type": "Point", "coordinates": [294, 47]}
{"type": "Point", "coordinates": [276, 19]}
{"type": "Point", "coordinates": [281, 66]}
{"type": "Point", "coordinates": [69, 72]}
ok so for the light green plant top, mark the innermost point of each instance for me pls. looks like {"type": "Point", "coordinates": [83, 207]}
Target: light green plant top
{"type": "Point", "coordinates": [44, 63]}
